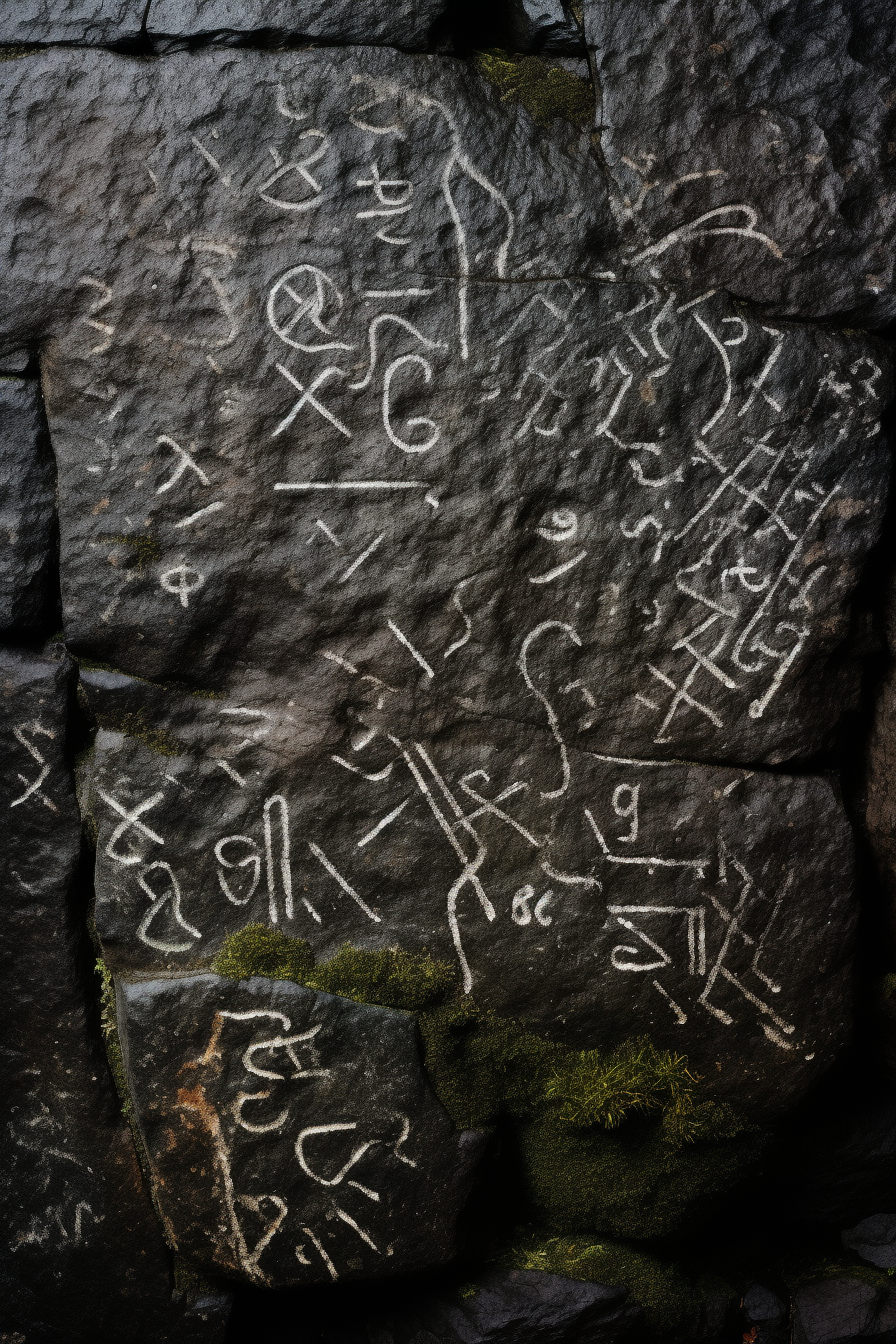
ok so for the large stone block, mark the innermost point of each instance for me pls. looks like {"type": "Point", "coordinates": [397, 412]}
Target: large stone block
{"type": "Point", "coordinates": [348, 302]}
{"type": "Point", "coordinates": [84, 1258]}
{"type": "Point", "coordinates": [28, 549]}
{"type": "Point", "coordinates": [596, 898]}
{"type": "Point", "coordinates": [366, 22]}
{"type": "Point", "coordinates": [293, 1136]}
{"type": "Point", "coordinates": [752, 147]}
{"type": "Point", "coordinates": [92, 22]}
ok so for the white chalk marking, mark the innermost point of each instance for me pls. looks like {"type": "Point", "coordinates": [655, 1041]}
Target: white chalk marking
{"type": "Point", "coordinates": [340, 1213]}
{"type": "Point", "coordinates": [560, 569]}
{"type": "Point", "coordinates": [334, 1275]}
{"type": "Point", "coordinates": [229, 770]}
{"type": "Point", "coordinates": [200, 513]}
{"type": "Point", "coordinates": [381, 825]}
{"type": "Point", "coordinates": [403, 639]}
{"type": "Point", "coordinates": [352, 485]}
{"type": "Point", "coordinates": [362, 557]}
{"type": "Point", "coordinates": [349, 890]}
{"type": "Point", "coordinates": [680, 1017]}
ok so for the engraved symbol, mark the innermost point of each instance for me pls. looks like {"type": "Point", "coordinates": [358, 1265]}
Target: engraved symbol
{"type": "Point", "coordinates": [170, 895]}
{"type": "Point", "coordinates": [182, 580]}
{"type": "Point", "coordinates": [300, 168]}
{"type": "Point", "coordinates": [34, 788]}
{"type": "Point", "coordinates": [131, 822]}
{"type": "Point", "coordinates": [288, 306]}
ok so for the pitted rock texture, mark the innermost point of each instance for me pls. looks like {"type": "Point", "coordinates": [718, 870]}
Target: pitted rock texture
{"type": "Point", "coordinates": [841, 1310]}
{"type": "Point", "coordinates": [874, 1240]}
{"type": "Point", "coordinates": [93, 22]}
{"type": "Point", "coordinates": [879, 781]}
{"type": "Point", "coordinates": [593, 897]}
{"type": "Point", "coordinates": [293, 1136]}
{"type": "Point", "coordinates": [547, 26]}
{"type": "Point", "coordinates": [405, 25]}
{"type": "Point", "coordinates": [83, 1255]}
{"type": "Point", "coordinates": [330, 297]}
{"type": "Point", "coordinates": [765, 1313]}
{"type": "Point", "coordinates": [28, 551]}
{"type": "Point", "coordinates": [753, 147]}
{"type": "Point", "coordinates": [511, 1307]}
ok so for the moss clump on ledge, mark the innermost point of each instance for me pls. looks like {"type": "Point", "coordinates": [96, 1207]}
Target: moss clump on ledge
{"type": "Point", "coordinates": [617, 1142]}
{"type": "Point", "coordinates": [668, 1299]}
{"type": "Point", "coordinates": [135, 724]}
{"type": "Point", "coordinates": [545, 91]}
{"type": "Point", "coordinates": [260, 950]}
{"type": "Point", "coordinates": [390, 978]}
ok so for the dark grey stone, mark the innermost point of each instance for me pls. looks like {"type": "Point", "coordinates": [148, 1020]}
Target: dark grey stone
{"type": "Point", "coordinates": [752, 147]}
{"type": "Point", "coordinates": [28, 552]}
{"type": "Point", "coordinates": [293, 1136]}
{"type": "Point", "coordinates": [837, 1311]}
{"type": "Point", "coordinates": [92, 22]}
{"type": "Point", "coordinates": [874, 1240]}
{"type": "Point", "coordinates": [513, 1307]}
{"type": "Point", "coordinates": [14, 361]}
{"type": "Point", "coordinates": [593, 897]}
{"type": "Point", "coordinates": [766, 1313]}
{"type": "Point", "coordinates": [593, 507]}
{"type": "Point", "coordinates": [836, 1171]}
{"type": "Point", "coordinates": [83, 1257]}
{"type": "Point", "coordinates": [405, 24]}
{"type": "Point", "coordinates": [544, 26]}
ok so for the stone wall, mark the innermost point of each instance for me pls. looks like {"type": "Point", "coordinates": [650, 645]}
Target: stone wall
{"type": "Point", "coordinates": [447, 671]}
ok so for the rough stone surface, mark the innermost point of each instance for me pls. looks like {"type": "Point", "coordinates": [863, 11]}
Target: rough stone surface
{"type": "Point", "coordinates": [879, 794]}
{"type": "Point", "coordinates": [405, 24]}
{"type": "Point", "coordinates": [874, 1239]}
{"type": "Point", "coordinates": [84, 1260]}
{"type": "Point", "coordinates": [93, 22]}
{"type": "Point", "coordinates": [14, 361]}
{"type": "Point", "coordinates": [766, 1313]}
{"type": "Point", "coordinates": [517, 1307]}
{"type": "Point", "coordinates": [596, 898]}
{"type": "Point", "coordinates": [544, 26]}
{"type": "Point", "coordinates": [837, 1311]}
{"type": "Point", "coordinates": [836, 1174]}
{"type": "Point", "coordinates": [752, 147]}
{"type": "Point", "coordinates": [565, 501]}
{"type": "Point", "coordinates": [27, 510]}
{"type": "Point", "coordinates": [293, 1136]}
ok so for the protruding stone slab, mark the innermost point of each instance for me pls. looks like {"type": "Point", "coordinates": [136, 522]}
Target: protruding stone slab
{"type": "Point", "coordinates": [346, 401]}
{"type": "Point", "coordinates": [28, 548]}
{"type": "Point", "coordinates": [501, 1307]}
{"type": "Point", "coordinates": [596, 898]}
{"type": "Point", "coordinates": [294, 1137]}
{"type": "Point", "coordinates": [87, 22]}
{"type": "Point", "coordinates": [83, 1255]}
{"type": "Point", "coordinates": [406, 24]}
{"type": "Point", "coordinates": [751, 147]}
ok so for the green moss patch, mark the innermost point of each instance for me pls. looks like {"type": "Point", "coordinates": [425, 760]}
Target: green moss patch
{"type": "Point", "coordinates": [135, 724]}
{"type": "Point", "coordinates": [545, 91]}
{"type": "Point", "coordinates": [636, 1182]}
{"type": "Point", "coordinates": [618, 1142]}
{"type": "Point", "coordinates": [144, 548]}
{"type": "Point", "coordinates": [593, 1089]}
{"type": "Point", "coordinates": [668, 1299]}
{"type": "Point", "coordinates": [392, 978]}
{"type": "Point", "coordinates": [260, 950]}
